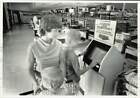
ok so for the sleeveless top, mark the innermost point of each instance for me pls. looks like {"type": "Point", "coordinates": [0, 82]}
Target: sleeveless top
{"type": "Point", "coordinates": [47, 55]}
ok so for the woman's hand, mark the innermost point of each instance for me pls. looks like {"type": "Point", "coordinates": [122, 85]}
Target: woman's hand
{"type": "Point", "coordinates": [37, 77]}
{"type": "Point", "coordinates": [37, 90]}
{"type": "Point", "coordinates": [37, 84]}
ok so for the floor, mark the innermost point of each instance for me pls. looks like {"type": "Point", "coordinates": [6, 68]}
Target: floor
{"type": "Point", "coordinates": [16, 78]}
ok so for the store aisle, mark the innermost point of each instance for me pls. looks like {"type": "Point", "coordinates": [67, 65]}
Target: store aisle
{"type": "Point", "coordinates": [16, 78]}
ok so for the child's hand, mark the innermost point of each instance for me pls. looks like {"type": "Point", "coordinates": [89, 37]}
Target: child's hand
{"type": "Point", "coordinates": [97, 60]}
{"type": "Point", "coordinates": [81, 54]}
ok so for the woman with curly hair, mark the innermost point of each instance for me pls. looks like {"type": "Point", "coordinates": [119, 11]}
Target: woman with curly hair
{"type": "Point", "coordinates": [44, 62]}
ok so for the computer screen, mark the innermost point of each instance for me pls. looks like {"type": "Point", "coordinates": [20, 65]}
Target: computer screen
{"type": "Point", "coordinates": [96, 57]}
{"type": "Point", "coordinates": [97, 54]}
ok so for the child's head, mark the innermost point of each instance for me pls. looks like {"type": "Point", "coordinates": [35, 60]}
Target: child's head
{"type": "Point", "coordinates": [73, 37]}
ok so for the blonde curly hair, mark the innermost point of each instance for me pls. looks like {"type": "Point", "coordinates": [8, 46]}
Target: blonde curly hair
{"type": "Point", "coordinates": [49, 22]}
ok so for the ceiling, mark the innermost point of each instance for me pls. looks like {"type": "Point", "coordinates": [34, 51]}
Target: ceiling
{"type": "Point", "coordinates": [47, 6]}
{"type": "Point", "coordinates": [56, 5]}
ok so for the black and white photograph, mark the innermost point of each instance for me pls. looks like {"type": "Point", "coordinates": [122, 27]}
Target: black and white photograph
{"type": "Point", "coordinates": [70, 48]}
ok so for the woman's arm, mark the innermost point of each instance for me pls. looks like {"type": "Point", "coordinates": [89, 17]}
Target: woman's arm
{"type": "Point", "coordinates": [31, 62]}
{"type": "Point", "coordinates": [62, 62]}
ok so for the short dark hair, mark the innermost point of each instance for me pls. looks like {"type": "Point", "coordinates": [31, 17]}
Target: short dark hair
{"type": "Point", "coordinates": [49, 22]}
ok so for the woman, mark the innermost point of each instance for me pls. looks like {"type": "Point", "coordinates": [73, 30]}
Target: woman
{"type": "Point", "coordinates": [45, 53]}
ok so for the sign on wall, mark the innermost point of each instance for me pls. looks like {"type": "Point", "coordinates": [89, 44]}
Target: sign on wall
{"type": "Point", "coordinates": [105, 31]}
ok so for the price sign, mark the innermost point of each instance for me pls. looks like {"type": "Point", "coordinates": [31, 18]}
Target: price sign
{"type": "Point", "coordinates": [105, 31]}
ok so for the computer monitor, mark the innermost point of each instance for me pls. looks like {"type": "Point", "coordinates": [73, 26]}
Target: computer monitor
{"type": "Point", "coordinates": [95, 51]}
